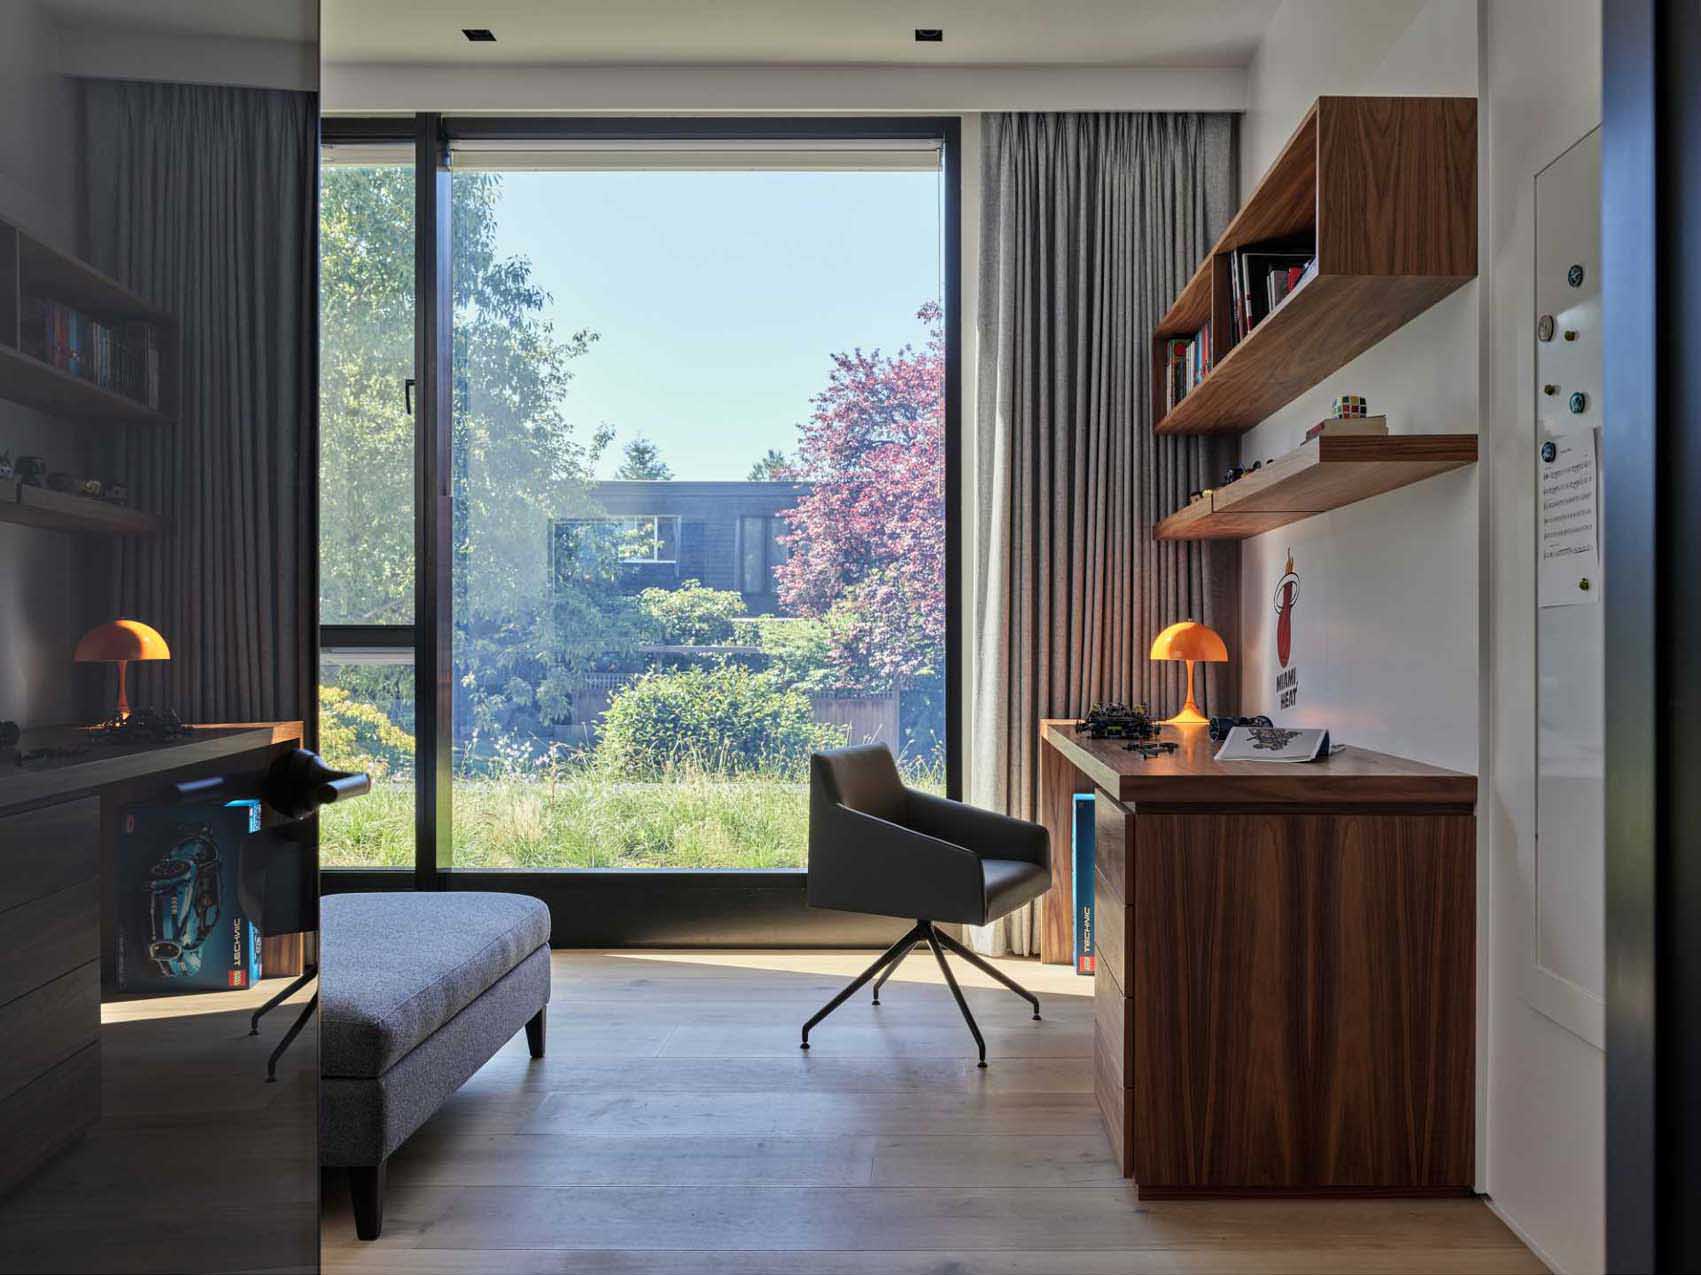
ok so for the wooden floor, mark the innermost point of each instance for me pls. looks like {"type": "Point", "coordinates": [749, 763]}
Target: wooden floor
{"type": "Point", "coordinates": [675, 1127]}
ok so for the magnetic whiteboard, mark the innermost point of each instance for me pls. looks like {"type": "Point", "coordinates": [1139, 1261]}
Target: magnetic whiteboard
{"type": "Point", "coordinates": [1566, 973]}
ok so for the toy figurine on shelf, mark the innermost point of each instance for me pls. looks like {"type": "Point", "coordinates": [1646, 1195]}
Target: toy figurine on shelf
{"type": "Point", "coordinates": [1118, 721]}
{"type": "Point", "coordinates": [32, 470]}
{"type": "Point", "coordinates": [5, 464]}
{"type": "Point", "coordinates": [143, 726]}
{"type": "Point", "coordinates": [115, 493]}
{"type": "Point", "coordinates": [1149, 749]}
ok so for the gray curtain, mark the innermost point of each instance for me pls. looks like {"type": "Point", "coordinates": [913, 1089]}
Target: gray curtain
{"type": "Point", "coordinates": [203, 200]}
{"type": "Point", "coordinates": [1091, 224]}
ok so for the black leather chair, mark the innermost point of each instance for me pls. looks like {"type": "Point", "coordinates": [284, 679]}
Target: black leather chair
{"type": "Point", "coordinates": [876, 846]}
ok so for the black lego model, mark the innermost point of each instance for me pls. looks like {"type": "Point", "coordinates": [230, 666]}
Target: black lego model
{"type": "Point", "coordinates": [1118, 721]}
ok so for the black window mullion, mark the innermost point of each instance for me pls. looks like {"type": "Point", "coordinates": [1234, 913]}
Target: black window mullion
{"type": "Point", "coordinates": [433, 509]}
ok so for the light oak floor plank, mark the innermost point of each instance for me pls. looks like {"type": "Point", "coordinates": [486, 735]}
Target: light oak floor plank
{"type": "Point", "coordinates": [676, 1129]}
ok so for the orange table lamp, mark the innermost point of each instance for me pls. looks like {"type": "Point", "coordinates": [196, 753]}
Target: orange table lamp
{"type": "Point", "coordinates": [118, 642]}
{"type": "Point", "coordinates": [1191, 641]}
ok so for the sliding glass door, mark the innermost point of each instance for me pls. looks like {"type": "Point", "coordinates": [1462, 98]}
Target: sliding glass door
{"type": "Point", "coordinates": [698, 494]}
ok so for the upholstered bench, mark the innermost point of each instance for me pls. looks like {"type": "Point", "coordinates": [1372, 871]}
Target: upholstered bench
{"type": "Point", "coordinates": [417, 991]}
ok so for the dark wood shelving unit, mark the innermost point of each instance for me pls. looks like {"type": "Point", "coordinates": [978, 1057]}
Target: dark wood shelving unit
{"type": "Point", "coordinates": [31, 270]}
{"type": "Point", "coordinates": [1386, 189]}
{"type": "Point", "coordinates": [42, 507]}
{"type": "Point", "coordinates": [1324, 474]}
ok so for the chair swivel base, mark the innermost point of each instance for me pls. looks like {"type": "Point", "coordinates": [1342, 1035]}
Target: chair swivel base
{"type": "Point", "coordinates": [937, 940]}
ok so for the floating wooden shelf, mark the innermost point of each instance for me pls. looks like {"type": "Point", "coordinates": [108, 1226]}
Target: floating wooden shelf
{"type": "Point", "coordinates": [1324, 474]}
{"type": "Point", "coordinates": [1386, 189]}
{"type": "Point", "coordinates": [41, 507]}
{"type": "Point", "coordinates": [32, 270]}
{"type": "Point", "coordinates": [26, 379]}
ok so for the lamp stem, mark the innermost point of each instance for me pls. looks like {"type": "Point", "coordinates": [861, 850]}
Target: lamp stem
{"type": "Point", "coordinates": [124, 700]}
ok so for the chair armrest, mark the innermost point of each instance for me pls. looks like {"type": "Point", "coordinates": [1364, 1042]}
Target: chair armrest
{"type": "Point", "coordinates": [988, 834]}
{"type": "Point", "coordinates": [860, 863]}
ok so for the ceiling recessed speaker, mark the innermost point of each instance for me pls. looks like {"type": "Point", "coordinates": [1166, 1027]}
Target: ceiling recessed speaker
{"type": "Point", "coordinates": [929, 35]}
{"type": "Point", "coordinates": [479, 35]}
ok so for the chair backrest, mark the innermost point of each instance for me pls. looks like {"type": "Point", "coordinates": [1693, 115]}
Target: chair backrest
{"type": "Point", "coordinates": [864, 778]}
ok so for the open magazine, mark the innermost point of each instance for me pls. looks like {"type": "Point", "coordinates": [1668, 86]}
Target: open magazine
{"type": "Point", "coordinates": [1273, 743]}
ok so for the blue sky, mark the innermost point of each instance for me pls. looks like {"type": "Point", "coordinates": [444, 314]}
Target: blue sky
{"type": "Point", "coordinates": [720, 295]}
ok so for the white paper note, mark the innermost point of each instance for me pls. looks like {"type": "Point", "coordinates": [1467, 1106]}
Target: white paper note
{"type": "Point", "coordinates": [1570, 525]}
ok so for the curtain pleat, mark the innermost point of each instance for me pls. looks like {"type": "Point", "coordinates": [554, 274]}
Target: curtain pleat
{"type": "Point", "coordinates": [1091, 224]}
{"type": "Point", "coordinates": [202, 199]}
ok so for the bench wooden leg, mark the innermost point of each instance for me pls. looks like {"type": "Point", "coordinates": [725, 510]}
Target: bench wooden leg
{"type": "Point", "coordinates": [366, 1190]}
{"type": "Point", "coordinates": [536, 1027]}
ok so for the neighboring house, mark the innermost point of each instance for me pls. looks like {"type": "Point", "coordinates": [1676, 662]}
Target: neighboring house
{"type": "Point", "coordinates": [723, 534]}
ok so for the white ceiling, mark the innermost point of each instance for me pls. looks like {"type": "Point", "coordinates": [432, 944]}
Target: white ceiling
{"type": "Point", "coordinates": [296, 20]}
{"type": "Point", "coordinates": [1149, 33]}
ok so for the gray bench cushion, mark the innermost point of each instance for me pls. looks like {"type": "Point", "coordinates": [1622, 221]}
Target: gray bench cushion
{"type": "Point", "coordinates": [396, 967]}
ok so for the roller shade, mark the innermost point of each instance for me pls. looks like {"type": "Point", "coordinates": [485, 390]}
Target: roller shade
{"type": "Point", "coordinates": [740, 155]}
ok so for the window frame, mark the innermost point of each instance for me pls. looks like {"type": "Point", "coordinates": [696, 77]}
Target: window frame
{"type": "Point", "coordinates": [431, 635]}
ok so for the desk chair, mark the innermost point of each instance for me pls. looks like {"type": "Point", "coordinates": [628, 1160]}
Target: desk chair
{"type": "Point", "coordinates": [876, 846]}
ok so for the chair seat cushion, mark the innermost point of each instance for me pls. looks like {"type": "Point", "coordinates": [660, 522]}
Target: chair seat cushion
{"type": "Point", "coordinates": [395, 967]}
{"type": "Point", "coordinates": [1011, 883]}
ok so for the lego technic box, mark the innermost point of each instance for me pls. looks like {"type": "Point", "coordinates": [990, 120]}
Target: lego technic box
{"type": "Point", "coordinates": [180, 924]}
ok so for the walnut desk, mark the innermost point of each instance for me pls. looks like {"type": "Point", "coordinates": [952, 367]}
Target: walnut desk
{"type": "Point", "coordinates": [1285, 985]}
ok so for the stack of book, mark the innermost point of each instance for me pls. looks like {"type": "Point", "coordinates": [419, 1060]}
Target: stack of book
{"type": "Point", "coordinates": [1340, 426]}
{"type": "Point", "coordinates": [1259, 279]}
{"type": "Point", "coordinates": [1188, 361]}
{"type": "Point", "coordinates": [122, 357]}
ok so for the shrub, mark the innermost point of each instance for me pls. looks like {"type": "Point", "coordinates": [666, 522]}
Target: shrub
{"type": "Point", "coordinates": [358, 736]}
{"type": "Point", "coordinates": [691, 615]}
{"type": "Point", "coordinates": [720, 720]}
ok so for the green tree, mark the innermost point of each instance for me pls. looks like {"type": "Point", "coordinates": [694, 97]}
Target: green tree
{"type": "Point", "coordinates": [691, 615]}
{"type": "Point", "coordinates": [643, 462]}
{"type": "Point", "coordinates": [772, 468]}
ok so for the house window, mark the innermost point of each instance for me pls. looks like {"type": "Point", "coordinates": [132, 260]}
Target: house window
{"type": "Point", "coordinates": [649, 538]}
{"type": "Point", "coordinates": [759, 552]}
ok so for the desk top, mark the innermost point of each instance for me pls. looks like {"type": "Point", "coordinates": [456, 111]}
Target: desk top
{"type": "Point", "coordinates": [1192, 776]}
{"type": "Point", "coordinates": [104, 763]}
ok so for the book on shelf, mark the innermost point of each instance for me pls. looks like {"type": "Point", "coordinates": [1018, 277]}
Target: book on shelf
{"type": "Point", "coordinates": [1261, 277]}
{"type": "Point", "coordinates": [1187, 361]}
{"type": "Point", "coordinates": [1343, 426]}
{"type": "Point", "coordinates": [122, 357]}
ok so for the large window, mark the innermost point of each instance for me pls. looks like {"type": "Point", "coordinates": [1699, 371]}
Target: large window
{"type": "Point", "coordinates": [697, 517]}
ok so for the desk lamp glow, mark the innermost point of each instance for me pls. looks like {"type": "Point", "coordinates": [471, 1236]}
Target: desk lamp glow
{"type": "Point", "coordinates": [118, 642]}
{"type": "Point", "coordinates": [1191, 641]}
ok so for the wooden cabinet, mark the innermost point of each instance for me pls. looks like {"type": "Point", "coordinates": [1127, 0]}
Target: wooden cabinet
{"type": "Point", "coordinates": [49, 982]}
{"type": "Point", "coordinates": [1284, 994]}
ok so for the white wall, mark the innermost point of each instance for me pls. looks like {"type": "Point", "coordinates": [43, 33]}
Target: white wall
{"type": "Point", "coordinates": [1546, 1126]}
{"type": "Point", "coordinates": [1385, 630]}
{"type": "Point", "coordinates": [38, 184]}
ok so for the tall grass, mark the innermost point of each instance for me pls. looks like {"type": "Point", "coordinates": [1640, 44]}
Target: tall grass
{"type": "Point", "coordinates": [586, 818]}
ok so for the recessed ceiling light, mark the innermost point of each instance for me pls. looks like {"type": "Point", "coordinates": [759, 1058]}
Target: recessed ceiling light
{"type": "Point", "coordinates": [929, 35]}
{"type": "Point", "coordinates": [479, 35]}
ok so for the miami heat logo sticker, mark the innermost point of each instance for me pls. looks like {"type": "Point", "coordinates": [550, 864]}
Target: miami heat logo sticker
{"type": "Point", "coordinates": [1287, 594]}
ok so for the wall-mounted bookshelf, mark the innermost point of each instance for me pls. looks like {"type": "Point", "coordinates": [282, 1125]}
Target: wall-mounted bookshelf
{"type": "Point", "coordinates": [1326, 473]}
{"type": "Point", "coordinates": [57, 511]}
{"type": "Point", "coordinates": [124, 374]}
{"type": "Point", "coordinates": [1384, 189]}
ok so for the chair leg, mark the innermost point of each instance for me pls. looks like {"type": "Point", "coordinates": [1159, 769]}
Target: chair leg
{"type": "Point", "coordinates": [366, 1193]}
{"type": "Point", "coordinates": [985, 967]}
{"type": "Point", "coordinates": [891, 969]}
{"type": "Point", "coordinates": [289, 1037]}
{"type": "Point", "coordinates": [891, 954]}
{"type": "Point", "coordinates": [951, 981]}
{"type": "Point", "coordinates": [307, 975]}
{"type": "Point", "coordinates": [536, 1028]}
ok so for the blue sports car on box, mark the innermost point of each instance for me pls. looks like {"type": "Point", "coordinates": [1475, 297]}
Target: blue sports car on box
{"type": "Point", "coordinates": [183, 902]}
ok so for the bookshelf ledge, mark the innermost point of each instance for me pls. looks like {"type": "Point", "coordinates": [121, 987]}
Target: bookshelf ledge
{"type": "Point", "coordinates": [1327, 473]}
{"type": "Point", "coordinates": [56, 511]}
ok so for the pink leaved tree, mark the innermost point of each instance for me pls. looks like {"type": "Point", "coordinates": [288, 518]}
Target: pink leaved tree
{"type": "Point", "coordinates": [867, 544]}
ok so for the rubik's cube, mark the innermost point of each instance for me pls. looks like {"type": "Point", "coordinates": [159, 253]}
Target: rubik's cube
{"type": "Point", "coordinates": [1351, 405]}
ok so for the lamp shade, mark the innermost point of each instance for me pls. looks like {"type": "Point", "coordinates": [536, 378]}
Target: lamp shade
{"type": "Point", "coordinates": [1189, 640]}
{"type": "Point", "coordinates": [121, 640]}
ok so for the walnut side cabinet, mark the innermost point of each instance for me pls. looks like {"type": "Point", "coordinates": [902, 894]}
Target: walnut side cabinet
{"type": "Point", "coordinates": [1284, 990]}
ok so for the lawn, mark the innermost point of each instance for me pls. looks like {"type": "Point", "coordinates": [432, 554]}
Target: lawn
{"type": "Point", "coordinates": [583, 821]}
